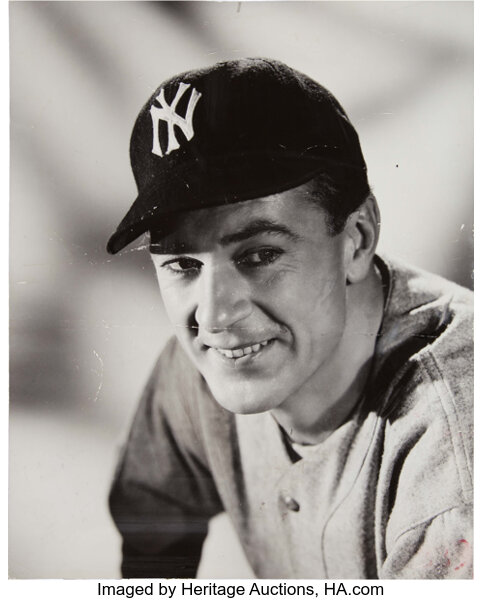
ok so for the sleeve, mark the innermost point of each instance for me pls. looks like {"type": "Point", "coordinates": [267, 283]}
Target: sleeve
{"type": "Point", "coordinates": [438, 549]}
{"type": "Point", "coordinates": [163, 494]}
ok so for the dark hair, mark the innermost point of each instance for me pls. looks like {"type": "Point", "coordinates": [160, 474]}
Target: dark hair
{"type": "Point", "coordinates": [339, 194]}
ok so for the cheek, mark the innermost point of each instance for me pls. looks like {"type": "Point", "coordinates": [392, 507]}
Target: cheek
{"type": "Point", "coordinates": [316, 309]}
{"type": "Point", "coordinates": [314, 288]}
{"type": "Point", "coordinates": [327, 282]}
{"type": "Point", "coordinates": [175, 304]}
{"type": "Point", "coordinates": [329, 299]}
{"type": "Point", "coordinates": [330, 305]}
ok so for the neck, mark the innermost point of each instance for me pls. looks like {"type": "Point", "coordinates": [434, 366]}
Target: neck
{"type": "Point", "coordinates": [327, 399]}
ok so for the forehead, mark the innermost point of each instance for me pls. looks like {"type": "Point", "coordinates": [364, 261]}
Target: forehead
{"type": "Point", "coordinates": [286, 213]}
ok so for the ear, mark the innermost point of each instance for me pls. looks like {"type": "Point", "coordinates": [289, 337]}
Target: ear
{"type": "Point", "coordinates": [361, 232]}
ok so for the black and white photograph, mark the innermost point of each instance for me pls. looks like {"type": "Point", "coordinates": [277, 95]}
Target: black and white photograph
{"type": "Point", "coordinates": [241, 291]}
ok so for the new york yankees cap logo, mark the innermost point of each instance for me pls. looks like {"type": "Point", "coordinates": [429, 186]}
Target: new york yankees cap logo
{"type": "Point", "coordinates": [234, 131]}
{"type": "Point", "coordinates": [167, 112]}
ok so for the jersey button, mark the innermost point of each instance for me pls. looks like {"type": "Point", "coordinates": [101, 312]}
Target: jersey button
{"type": "Point", "coordinates": [291, 503]}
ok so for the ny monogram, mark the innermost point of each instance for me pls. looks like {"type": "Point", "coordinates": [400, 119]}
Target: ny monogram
{"type": "Point", "coordinates": [168, 113]}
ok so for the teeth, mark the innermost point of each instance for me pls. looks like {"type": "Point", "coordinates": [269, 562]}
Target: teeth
{"type": "Point", "coordinates": [239, 352]}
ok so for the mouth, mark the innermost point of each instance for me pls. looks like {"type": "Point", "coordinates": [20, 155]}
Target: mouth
{"type": "Point", "coordinates": [241, 351]}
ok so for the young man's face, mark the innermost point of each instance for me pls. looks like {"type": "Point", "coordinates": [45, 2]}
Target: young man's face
{"type": "Point", "coordinates": [256, 292]}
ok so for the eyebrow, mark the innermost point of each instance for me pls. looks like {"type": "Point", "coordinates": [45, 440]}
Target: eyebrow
{"type": "Point", "coordinates": [257, 227]}
{"type": "Point", "coordinates": [250, 230]}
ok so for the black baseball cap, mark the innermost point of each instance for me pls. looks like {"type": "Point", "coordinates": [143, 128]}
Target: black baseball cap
{"type": "Point", "coordinates": [235, 131]}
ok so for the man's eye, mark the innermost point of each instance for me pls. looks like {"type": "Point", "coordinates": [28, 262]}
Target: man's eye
{"type": "Point", "coordinates": [183, 265]}
{"type": "Point", "coordinates": [260, 258]}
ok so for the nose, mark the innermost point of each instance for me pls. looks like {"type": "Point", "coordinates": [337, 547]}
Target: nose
{"type": "Point", "coordinates": [222, 299]}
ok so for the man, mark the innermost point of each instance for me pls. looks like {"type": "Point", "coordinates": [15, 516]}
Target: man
{"type": "Point", "coordinates": [316, 392]}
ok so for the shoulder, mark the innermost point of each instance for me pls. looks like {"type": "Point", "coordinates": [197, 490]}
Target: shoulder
{"type": "Point", "coordinates": [424, 296]}
{"type": "Point", "coordinates": [427, 323]}
{"type": "Point", "coordinates": [425, 384]}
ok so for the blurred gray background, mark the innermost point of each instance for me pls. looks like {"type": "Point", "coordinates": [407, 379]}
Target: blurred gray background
{"type": "Point", "coordinates": [85, 327]}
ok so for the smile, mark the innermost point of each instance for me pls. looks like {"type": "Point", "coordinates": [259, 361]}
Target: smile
{"type": "Point", "coordinates": [244, 351]}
